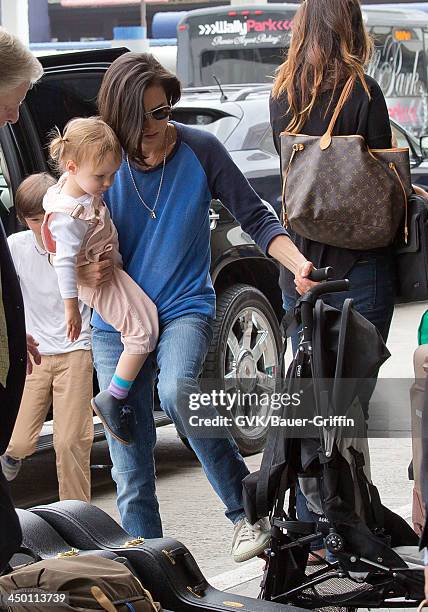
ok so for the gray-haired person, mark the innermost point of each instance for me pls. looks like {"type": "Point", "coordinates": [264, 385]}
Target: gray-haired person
{"type": "Point", "coordinates": [19, 69]}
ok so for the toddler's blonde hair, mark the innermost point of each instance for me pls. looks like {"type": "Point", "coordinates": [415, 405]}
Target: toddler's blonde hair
{"type": "Point", "coordinates": [85, 139]}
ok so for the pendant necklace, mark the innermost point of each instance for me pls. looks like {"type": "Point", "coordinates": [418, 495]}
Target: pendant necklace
{"type": "Point", "coordinates": [151, 210]}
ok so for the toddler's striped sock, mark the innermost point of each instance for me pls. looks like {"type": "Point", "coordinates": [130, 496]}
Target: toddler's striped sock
{"type": "Point", "coordinates": [119, 387]}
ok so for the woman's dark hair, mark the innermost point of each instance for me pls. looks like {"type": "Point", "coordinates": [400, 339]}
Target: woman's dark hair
{"type": "Point", "coordinates": [329, 43]}
{"type": "Point", "coordinates": [121, 96]}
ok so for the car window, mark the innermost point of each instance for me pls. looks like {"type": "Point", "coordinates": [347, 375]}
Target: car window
{"type": "Point", "coordinates": [254, 135]}
{"type": "Point", "coordinates": [60, 97]}
{"type": "Point", "coordinates": [208, 120]}
{"type": "Point", "coordinates": [400, 137]}
{"type": "Point", "coordinates": [266, 143]}
{"type": "Point", "coordinates": [404, 141]}
{"type": "Point", "coordinates": [196, 116]}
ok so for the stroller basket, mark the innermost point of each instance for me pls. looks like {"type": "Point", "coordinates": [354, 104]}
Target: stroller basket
{"type": "Point", "coordinates": [365, 540]}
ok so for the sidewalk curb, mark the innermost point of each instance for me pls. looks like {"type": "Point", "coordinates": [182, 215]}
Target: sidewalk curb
{"type": "Point", "coordinates": [244, 573]}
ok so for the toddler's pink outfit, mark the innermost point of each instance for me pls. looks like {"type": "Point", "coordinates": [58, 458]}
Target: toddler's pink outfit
{"type": "Point", "coordinates": [120, 302]}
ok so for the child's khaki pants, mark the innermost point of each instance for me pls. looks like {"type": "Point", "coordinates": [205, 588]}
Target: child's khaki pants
{"type": "Point", "coordinates": [65, 381]}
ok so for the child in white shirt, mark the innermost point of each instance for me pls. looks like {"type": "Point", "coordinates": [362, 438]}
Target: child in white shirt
{"type": "Point", "coordinates": [77, 229]}
{"type": "Point", "coordinates": [64, 377]}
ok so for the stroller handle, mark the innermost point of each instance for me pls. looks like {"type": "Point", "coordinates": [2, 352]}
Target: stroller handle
{"type": "Point", "coordinates": [335, 286]}
{"type": "Point", "coordinates": [307, 302]}
{"type": "Point", "coordinates": [320, 274]}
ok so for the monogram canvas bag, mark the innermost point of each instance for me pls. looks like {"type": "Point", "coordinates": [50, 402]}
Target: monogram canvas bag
{"type": "Point", "coordinates": [337, 191]}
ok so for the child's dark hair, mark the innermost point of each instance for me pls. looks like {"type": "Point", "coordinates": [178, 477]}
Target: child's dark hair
{"type": "Point", "coordinates": [30, 193]}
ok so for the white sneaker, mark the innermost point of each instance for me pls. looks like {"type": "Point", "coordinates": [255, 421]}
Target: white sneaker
{"type": "Point", "coordinates": [250, 540]}
{"type": "Point", "coordinates": [10, 467]}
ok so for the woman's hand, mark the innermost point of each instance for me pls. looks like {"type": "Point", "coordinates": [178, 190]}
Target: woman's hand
{"type": "Point", "coordinates": [32, 352]}
{"type": "Point", "coordinates": [95, 274]}
{"type": "Point", "coordinates": [73, 318]}
{"type": "Point", "coordinates": [285, 251]}
{"type": "Point", "coordinates": [301, 281]}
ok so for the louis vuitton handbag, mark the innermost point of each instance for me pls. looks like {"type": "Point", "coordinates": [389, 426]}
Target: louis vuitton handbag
{"type": "Point", "coordinates": [337, 191]}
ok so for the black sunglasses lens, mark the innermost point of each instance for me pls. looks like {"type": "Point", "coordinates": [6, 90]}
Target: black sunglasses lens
{"type": "Point", "coordinates": [161, 113]}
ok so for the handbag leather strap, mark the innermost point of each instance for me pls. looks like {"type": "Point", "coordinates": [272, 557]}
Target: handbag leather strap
{"type": "Point", "coordinates": [325, 140]}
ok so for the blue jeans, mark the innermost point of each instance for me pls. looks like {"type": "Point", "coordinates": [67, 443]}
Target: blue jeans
{"type": "Point", "coordinates": [372, 289]}
{"type": "Point", "coordinates": [180, 355]}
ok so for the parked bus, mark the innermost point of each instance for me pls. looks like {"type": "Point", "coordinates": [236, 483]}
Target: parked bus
{"type": "Point", "coordinates": [245, 44]}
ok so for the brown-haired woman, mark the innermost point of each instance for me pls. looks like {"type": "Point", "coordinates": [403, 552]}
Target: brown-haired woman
{"type": "Point", "coordinates": [160, 205]}
{"type": "Point", "coordinates": [330, 44]}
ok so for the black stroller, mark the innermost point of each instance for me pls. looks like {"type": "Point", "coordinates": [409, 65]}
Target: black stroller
{"type": "Point", "coordinates": [376, 561]}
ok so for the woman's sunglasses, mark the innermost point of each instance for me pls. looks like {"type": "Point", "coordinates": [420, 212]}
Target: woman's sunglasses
{"type": "Point", "coordinates": [163, 112]}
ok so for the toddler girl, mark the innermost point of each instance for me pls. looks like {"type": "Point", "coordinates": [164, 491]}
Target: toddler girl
{"type": "Point", "coordinates": [77, 229]}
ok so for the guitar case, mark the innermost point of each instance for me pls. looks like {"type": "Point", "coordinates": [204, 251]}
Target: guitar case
{"type": "Point", "coordinates": [164, 565]}
{"type": "Point", "coordinates": [41, 541]}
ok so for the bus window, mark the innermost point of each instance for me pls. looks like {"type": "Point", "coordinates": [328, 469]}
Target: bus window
{"type": "Point", "coordinates": [240, 65]}
{"type": "Point", "coordinates": [399, 66]}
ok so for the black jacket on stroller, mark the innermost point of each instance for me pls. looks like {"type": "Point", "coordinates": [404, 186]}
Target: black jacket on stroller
{"type": "Point", "coordinates": [340, 352]}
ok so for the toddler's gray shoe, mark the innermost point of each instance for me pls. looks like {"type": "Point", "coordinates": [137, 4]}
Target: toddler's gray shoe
{"type": "Point", "coordinates": [113, 415]}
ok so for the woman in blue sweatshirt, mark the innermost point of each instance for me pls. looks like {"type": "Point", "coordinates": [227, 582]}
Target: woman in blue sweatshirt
{"type": "Point", "coordinates": [160, 204]}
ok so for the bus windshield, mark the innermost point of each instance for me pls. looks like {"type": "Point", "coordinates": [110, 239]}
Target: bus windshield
{"type": "Point", "coordinates": [237, 46]}
{"type": "Point", "coordinates": [250, 65]}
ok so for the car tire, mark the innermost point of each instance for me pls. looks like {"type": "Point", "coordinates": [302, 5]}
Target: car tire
{"type": "Point", "coordinates": [241, 306]}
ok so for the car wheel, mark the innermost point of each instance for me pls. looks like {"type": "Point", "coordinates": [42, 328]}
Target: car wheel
{"type": "Point", "coordinates": [245, 352]}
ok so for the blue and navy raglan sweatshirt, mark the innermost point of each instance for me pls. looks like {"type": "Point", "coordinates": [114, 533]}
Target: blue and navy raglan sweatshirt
{"type": "Point", "coordinates": [169, 257]}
